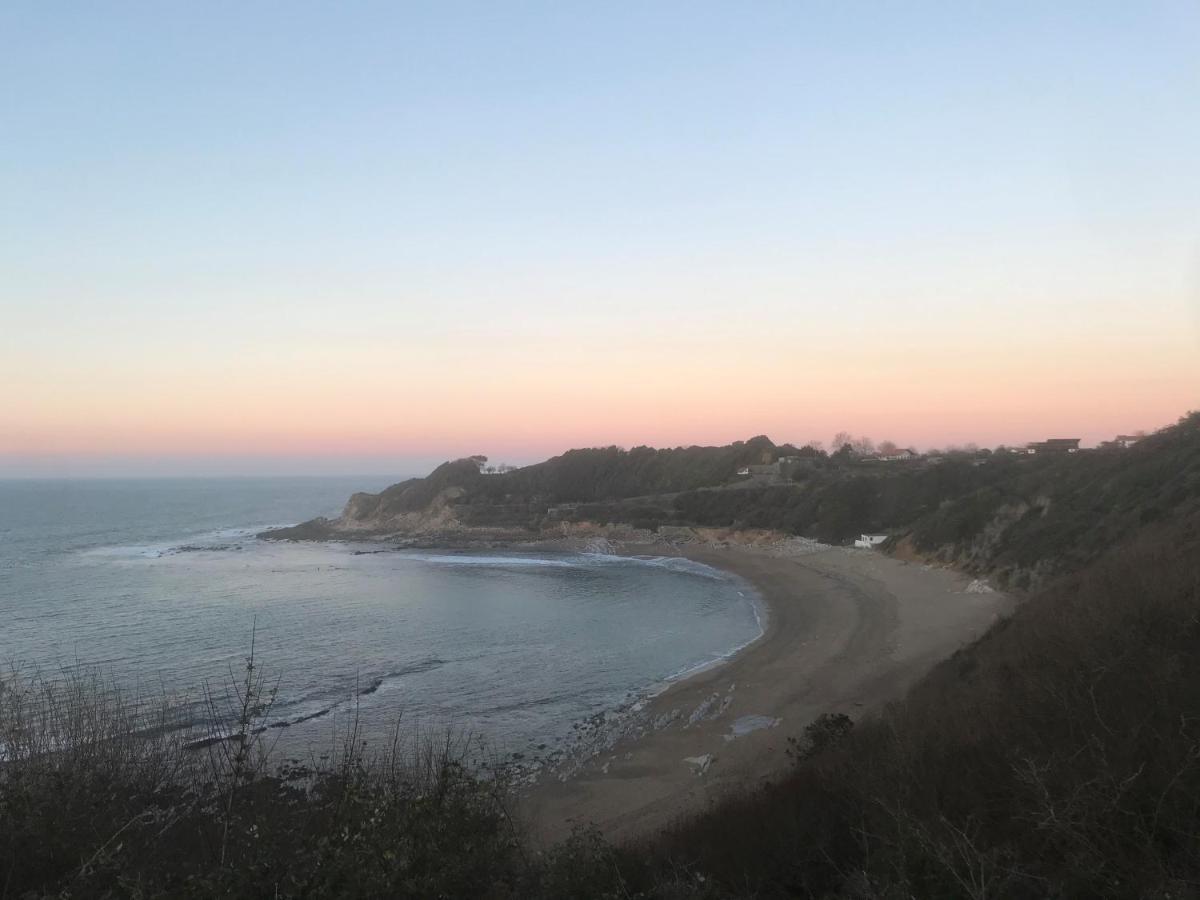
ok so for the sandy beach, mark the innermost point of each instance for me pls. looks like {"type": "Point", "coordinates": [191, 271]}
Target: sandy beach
{"type": "Point", "coordinates": [847, 631]}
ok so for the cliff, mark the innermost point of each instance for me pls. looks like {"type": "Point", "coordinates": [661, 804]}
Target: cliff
{"type": "Point", "coordinates": [1019, 519]}
{"type": "Point", "coordinates": [457, 499]}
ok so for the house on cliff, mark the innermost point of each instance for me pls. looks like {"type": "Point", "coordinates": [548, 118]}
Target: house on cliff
{"type": "Point", "coordinates": [768, 473]}
{"type": "Point", "coordinates": [1054, 445]}
{"type": "Point", "coordinates": [870, 541]}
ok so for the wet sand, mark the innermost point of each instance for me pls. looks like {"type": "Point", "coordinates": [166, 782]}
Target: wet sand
{"type": "Point", "coordinates": [847, 631]}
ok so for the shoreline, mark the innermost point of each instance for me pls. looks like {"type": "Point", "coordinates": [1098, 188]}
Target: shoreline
{"type": "Point", "coordinates": [762, 617]}
{"type": "Point", "coordinates": [843, 631]}
{"type": "Point", "coordinates": [846, 631]}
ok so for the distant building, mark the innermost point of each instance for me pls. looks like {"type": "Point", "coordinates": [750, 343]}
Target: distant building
{"type": "Point", "coordinates": [779, 471]}
{"type": "Point", "coordinates": [1120, 442]}
{"type": "Point", "coordinates": [869, 541]}
{"type": "Point", "coordinates": [901, 455]}
{"type": "Point", "coordinates": [1054, 445]}
{"type": "Point", "coordinates": [767, 473]}
{"type": "Point", "coordinates": [766, 469]}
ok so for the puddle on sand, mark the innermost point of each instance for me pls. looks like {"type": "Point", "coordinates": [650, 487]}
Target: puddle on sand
{"type": "Point", "coordinates": [746, 724]}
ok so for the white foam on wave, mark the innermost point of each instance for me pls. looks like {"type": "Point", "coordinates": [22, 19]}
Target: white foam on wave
{"type": "Point", "coordinates": [680, 564]}
{"type": "Point", "coordinates": [129, 551]}
{"type": "Point", "coordinates": [573, 561]}
{"type": "Point", "coordinates": [218, 539]}
{"type": "Point", "coordinates": [759, 608]}
{"type": "Point", "coordinates": [443, 559]}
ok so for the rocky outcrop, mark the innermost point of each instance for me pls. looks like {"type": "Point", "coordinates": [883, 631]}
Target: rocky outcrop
{"type": "Point", "coordinates": [364, 513]}
{"type": "Point", "coordinates": [366, 517]}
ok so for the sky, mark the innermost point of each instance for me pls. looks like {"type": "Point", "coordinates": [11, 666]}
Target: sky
{"type": "Point", "coordinates": [282, 238]}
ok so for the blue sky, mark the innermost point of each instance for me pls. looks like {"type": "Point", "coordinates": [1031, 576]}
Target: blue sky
{"type": "Point", "coordinates": [205, 200]}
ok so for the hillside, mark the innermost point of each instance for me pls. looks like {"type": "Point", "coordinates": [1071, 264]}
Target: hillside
{"type": "Point", "coordinates": [1053, 518]}
{"type": "Point", "coordinates": [1020, 519]}
{"type": "Point", "coordinates": [459, 498]}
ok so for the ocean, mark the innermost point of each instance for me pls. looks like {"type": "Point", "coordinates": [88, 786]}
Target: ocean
{"type": "Point", "coordinates": [160, 584]}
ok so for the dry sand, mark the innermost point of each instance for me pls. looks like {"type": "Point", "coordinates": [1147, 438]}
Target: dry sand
{"type": "Point", "coordinates": [847, 631]}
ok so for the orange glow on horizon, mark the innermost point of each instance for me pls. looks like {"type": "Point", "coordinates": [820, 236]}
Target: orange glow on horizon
{"type": "Point", "coordinates": [532, 402]}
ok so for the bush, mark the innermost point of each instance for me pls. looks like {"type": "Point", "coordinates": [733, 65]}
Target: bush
{"type": "Point", "coordinates": [826, 731]}
{"type": "Point", "coordinates": [100, 797]}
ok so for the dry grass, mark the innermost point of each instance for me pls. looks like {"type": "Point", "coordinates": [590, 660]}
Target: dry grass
{"type": "Point", "coordinates": [100, 796]}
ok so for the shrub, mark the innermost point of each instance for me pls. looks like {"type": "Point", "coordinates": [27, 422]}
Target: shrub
{"type": "Point", "coordinates": [100, 796]}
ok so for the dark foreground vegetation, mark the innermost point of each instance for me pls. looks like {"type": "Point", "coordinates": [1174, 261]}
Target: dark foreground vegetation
{"type": "Point", "coordinates": [1058, 756]}
{"type": "Point", "coordinates": [98, 800]}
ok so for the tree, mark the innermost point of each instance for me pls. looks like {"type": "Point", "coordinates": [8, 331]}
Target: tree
{"type": "Point", "coordinates": [887, 448]}
{"type": "Point", "coordinates": [863, 446]}
{"type": "Point", "coordinates": [840, 440]}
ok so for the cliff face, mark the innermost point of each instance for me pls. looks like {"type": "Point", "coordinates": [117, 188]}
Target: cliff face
{"type": "Point", "coordinates": [369, 516]}
{"type": "Point", "coordinates": [372, 514]}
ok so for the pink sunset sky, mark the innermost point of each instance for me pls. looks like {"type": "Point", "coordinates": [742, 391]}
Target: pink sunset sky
{"type": "Point", "coordinates": [367, 246]}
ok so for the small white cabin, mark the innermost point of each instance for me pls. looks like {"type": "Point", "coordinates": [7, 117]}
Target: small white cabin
{"type": "Point", "coordinates": [868, 541]}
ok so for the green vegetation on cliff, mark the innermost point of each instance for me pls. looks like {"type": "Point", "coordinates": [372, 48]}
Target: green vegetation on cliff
{"type": "Point", "coordinates": [610, 473]}
{"type": "Point", "coordinates": [1018, 518]}
{"type": "Point", "coordinates": [1021, 519]}
{"type": "Point", "coordinates": [577, 476]}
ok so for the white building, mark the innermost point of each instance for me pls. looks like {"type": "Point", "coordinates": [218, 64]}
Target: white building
{"type": "Point", "coordinates": [870, 541]}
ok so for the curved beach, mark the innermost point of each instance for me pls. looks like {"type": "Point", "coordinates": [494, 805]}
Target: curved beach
{"type": "Point", "coordinates": [847, 631]}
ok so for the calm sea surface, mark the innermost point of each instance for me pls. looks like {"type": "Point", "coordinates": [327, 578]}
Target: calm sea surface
{"type": "Point", "coordinates": [160, 583]}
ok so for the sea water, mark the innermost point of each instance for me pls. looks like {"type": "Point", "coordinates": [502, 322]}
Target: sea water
{"type": "Point", "coordinates": [161, 585]}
